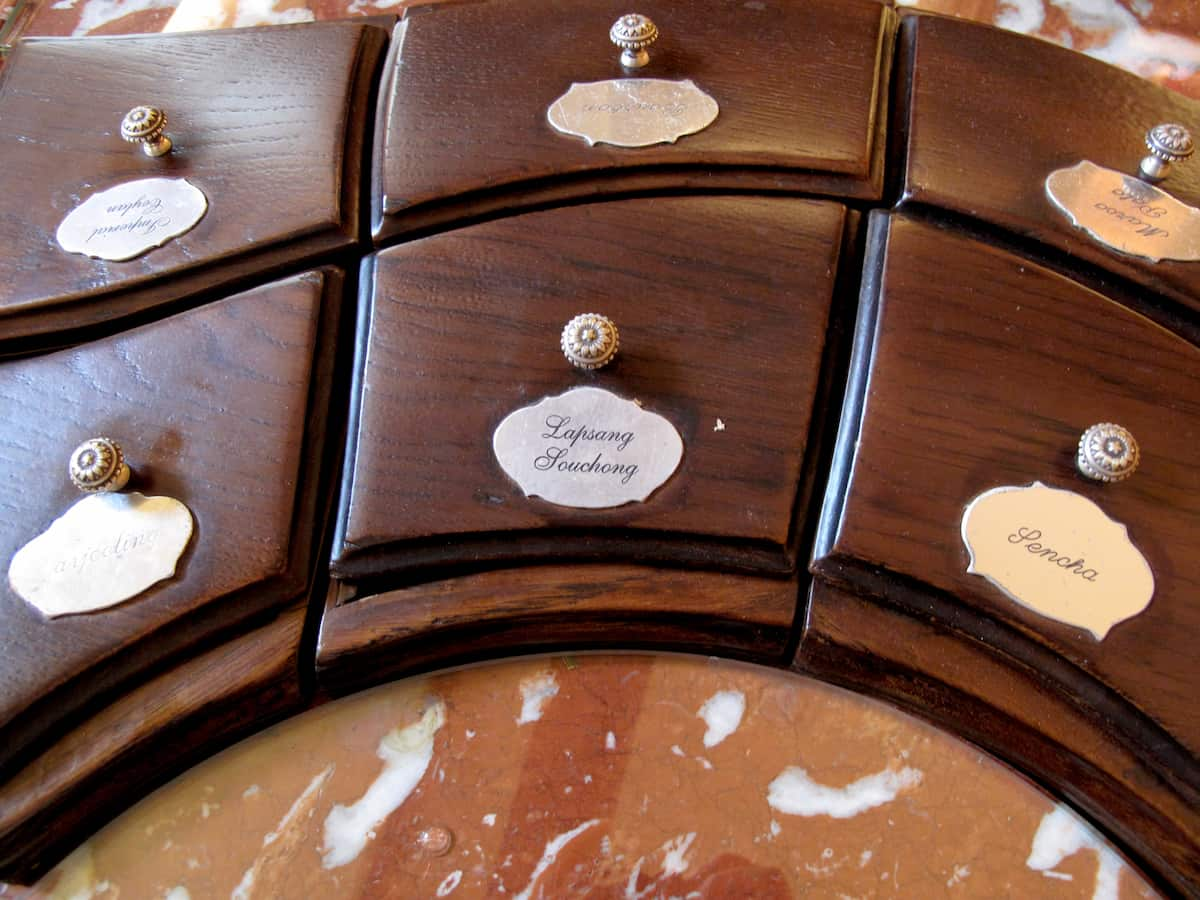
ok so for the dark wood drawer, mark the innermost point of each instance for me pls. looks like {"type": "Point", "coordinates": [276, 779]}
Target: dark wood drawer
{"type": "Point", "coordinates": [723, 306]}
{"type": "Point", "coordinates": [463, 125]}
{"type": "Point", "coordinates": [267, 123]}
{"type": "Point", "coordinates": [223, 408]}
{"type": "Point", "coordinates": [981, 137]}
{"type": "Point", "coordinates": [978, 369]}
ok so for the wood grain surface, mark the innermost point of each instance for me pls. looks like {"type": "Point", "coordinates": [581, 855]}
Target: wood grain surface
{"type": "Point", "coordinates": [983, 370]}
{"type": "Point", "coordinates": [268, 123]}
{"type": "Point", "coordinates": [151, 734]}
{"type": "Point", "coordinates": [369, 639]}
{"type": "Point", "coordinates": [1010, 708]}
{"type": "Point", "coordinates": [723, 306]}
{"type": "Point", "coordinates": [989, 115]}
{"type": "Point", "coordinates": [463, 127]}
{"type": "Point", "coordinates": [222, 408]}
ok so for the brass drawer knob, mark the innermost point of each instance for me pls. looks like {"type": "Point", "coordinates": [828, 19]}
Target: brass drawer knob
{"type": "Point", "coordinates": [98, 465]}
{"type": "Point", "coordinates": [633, 33]}
{"type": "Point", "coordinates": [144, 125]}
{"type": "Point", "coordinates": [1107, 452]}
{"type": "Point", "coordinates": [1167, 143]}
{"type": "Point", "coordinates": [590, 341]}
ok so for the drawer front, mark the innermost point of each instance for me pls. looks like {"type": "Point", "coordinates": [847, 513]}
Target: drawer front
{"type": "Point", "coordinates": [463, 113]}
{"type": "Point", "coordinates": [266, 123]}
{"type": "Point", "coordinates": [983, 137]}
{"type": "Point", "coordinates": [722, 306]}
{"type": "Point", "coordinates": [223, 408]}
{"type": "Point", "coordinates": [977, 369]}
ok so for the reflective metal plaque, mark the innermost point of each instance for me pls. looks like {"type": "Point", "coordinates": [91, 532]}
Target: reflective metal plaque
{"type": "Point", "coordinates": [587, 448]}
{"type": "Point", "coordinates": [127, 220]}
{"type": "Point", "coordinates": [1057, 553]}
{"type": "Point", "coordinates": [105, 549]}
{"type": "Point", "coordinates": [632, 112]}
{"type": "Point", "coordinates": [1125, 213]}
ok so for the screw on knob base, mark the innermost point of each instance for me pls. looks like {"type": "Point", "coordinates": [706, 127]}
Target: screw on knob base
{"type": "Point", "coordinates": [1167, 143]}
{"type": "Point", "coordinates": [98, 465]}
{"type": "Point", "coordinates": [1107, 452]}
{"type": "Point", "coordinates": [144, 125]}
{"type": "Point", "coordinates": [633, 33]}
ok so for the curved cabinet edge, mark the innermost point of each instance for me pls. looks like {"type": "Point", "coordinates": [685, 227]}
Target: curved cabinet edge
{"type": "Point", "coordinates": [1012, 711]}
{"type": "Point", "coordinates": [370, 639]}
{"type": "Point", "coordinates": [145, 738]}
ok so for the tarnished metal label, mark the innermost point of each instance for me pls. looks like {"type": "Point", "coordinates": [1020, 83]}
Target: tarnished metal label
{"type": "Point", "coordinates": [1057, 553]}
{"type": "Point", "coordinates": [587, 448]}
{"type": "Point", "coordinates": [127, 220]}
{"type": "Point", "coordinates": [105, 549]}
{"type": "Point", "coordinates": [632, 112]}
{"type": "Point", "coordinates": [1125, 213]}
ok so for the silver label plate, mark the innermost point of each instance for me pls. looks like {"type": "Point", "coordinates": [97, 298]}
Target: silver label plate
{"type": "Point", "coordinates": [632, 112]}
{"type": "Point", "coordinates": [1057, 553]}
{"type": "Point", "coordinates": [587, 448]}
{"type": "Point", "coordinates": [105, 549]}
{"type": "Point", "coordinates": [1125, 213]}
{"type": "Point", "coordinates": [125, 221]}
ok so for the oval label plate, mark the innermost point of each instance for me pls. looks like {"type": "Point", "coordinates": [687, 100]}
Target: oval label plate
{"type": "Point", "coordinates": [632, 112]}
{"type": "Point", "coordinates": [1125, 213]}
{"type": "Point", "coordinates": [105, 549]}
{"type": "Point", "coordinates": [125, 221]}
{"type": "Point", "coordinates": [587, 448]}
{"type": "Point", "coordinates": [1057, 553]}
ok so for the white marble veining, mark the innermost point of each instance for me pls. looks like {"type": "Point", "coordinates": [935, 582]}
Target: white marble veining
{"type": "Point", "coordinates": [406, 753]}
{"type": "Point", "coordinates": [796, 794]}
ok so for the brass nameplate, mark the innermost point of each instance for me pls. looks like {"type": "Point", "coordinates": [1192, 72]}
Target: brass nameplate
{"type": "Point", "coordinates": [105, 549]}
{"type": "Point", "coordinates": [125, 221]}
{"type": "Point", "coordinates": [632, 112]}
{"type": "Point", "coordinates": [587, 448]}
{"type": "Point", "coordinates": [1057, 553]}
{"type": "Point", "coordinates": [1125, 213]}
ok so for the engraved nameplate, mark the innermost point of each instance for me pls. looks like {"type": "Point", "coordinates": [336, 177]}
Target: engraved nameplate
{"type": "Point", "coordinates": [1057, 553]}
{"type": "Point", "coordinates": [127, 220]}
{"type": "Point", "coordinates": [587, 448]}
{"type": "Point", "coordinates": [104, 550]}
{"type": "Point", "coordinates": [1125, 213]}
{"type": "Point", "coordinates": [632, 112]}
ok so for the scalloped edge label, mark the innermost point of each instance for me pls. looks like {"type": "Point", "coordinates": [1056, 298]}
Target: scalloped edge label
{"type": "Point", "coordinates": [632, 112]}
{"type": "Point", "coordinates": [1058, 554]}
{"type": "Point", "coordinates": [588, 449]}
{"type": "Point", "coordinates": [1125, 213]}
{"type": "Point", "coordinates": [125, 221]}
{"type": "Point", "coordinates": [104, 550]}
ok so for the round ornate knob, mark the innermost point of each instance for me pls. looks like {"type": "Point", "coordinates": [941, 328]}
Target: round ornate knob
{"type": "Point", "coordinates": [1107, 452]}
{"type": "Point", "coordinates": [590, 341]}
{"type": "Point", "coordinates": [98, 465]}
{"type": "Point", "coordinates": [633, 33]}
{"type": "Point", "coordinates": [144, 125]}
{"type": "Point", "coordinates": [1167, 143]}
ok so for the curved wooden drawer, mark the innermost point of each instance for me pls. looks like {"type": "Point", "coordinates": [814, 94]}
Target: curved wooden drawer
{"type": "Point", "coordinates": [268, 123]}
{"type": "Point", "coordinates": [463, 131]}
{"type": "Point", "coordinates": [223, 408]}
{"type": "Point", "coordinates": [981, 138]}
{"type": "Point", "coordinates": [723, 306]}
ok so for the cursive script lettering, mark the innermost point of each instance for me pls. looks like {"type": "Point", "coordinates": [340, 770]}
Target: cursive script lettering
{"type": "Point", "coordinates": [1140, 203]}
{"type": "Point", "coordinates": [634, 106]}
{"type": "Point", "coordinates": [558, 428]}
{"type": "Point", "coordinates": [124, 543]}
{"type": "Point", "coordinates": [1031, 539]}
{"type": "Point", "coordinates": [552, 458]}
